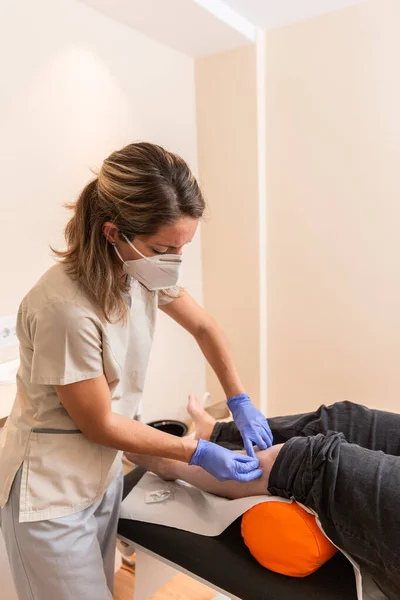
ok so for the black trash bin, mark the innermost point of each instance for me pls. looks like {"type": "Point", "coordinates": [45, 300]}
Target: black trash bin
{"type": "Point", "coordinates": [169, 426]}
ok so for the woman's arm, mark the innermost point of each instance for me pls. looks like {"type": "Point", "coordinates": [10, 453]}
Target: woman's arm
{"type": "Point", "coordinates": [89, 405]}
{"type": "Point", "coordinates": [251, 422]}
{"type": "Point", "coordinates": [172, 469]}
{"type": "Point", "coordinates": [192, 317]}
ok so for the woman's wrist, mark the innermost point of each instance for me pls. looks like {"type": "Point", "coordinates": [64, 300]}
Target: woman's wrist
{"type": "Point", "coordinates": [238, 399]}
{"type": "Point", "coordinates": [234, 389]}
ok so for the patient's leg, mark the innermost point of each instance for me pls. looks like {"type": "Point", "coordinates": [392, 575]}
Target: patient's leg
{"type": "Point", "coordinates": [368, 428]}
{"type": "Point", "coordinates": [207, 428]}
{"type": "Point", "coordinates": [371, 429]}
{"type": "Point", "coordinates": [354, 491]}
{"type": "Point", "coordinates": [203, 422]}
{"type": "Point", "coordinates": [172, 469]}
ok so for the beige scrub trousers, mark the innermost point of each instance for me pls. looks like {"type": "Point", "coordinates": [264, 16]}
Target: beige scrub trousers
{"type": "Point", "coordinates": [60, 492]}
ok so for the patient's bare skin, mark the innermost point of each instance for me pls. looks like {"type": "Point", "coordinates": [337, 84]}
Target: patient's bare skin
{"type": "Point", "coordinates": [172, 469]}
{"type": "Point", "coordinates": [203, 422]}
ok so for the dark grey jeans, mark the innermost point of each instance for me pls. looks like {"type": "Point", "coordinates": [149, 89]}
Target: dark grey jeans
{"type": "Point", "coordinates": [342, 461]}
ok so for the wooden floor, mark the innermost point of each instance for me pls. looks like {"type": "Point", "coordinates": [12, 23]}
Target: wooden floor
{"type": "Point", "coordinates": [180, 587]}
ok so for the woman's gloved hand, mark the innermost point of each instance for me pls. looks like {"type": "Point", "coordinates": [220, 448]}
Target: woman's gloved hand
{"type": "Point", "coordinates": [251, 423]}
{"type": "Point", "coordinates": [225, 464]}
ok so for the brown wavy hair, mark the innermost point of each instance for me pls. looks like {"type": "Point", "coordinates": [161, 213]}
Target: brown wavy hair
{"type": "Point", "coordinates": [139, 188]}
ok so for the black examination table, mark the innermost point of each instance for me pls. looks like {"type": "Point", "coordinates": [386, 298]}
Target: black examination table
{"type": "Point", "coordinates": [225, 564]}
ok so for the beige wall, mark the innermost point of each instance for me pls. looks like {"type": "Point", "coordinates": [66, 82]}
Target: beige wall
{"type": "Point", "coordinates": [227, 154]}
{"type": "Point", "coordinates": [334, 210]}
{"type": "Point", "coordinates": [75, 86]}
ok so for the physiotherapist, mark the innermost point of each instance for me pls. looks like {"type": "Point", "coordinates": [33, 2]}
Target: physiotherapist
{"type": "Point", "coordinates": [85, 331]}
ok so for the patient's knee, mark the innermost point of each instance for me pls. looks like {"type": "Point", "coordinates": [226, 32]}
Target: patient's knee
{"type": "Point", "coordinates": [268, 457]}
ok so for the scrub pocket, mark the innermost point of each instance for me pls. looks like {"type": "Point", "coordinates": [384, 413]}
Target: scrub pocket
{"type": "Point", "coordinates": [63, 472]}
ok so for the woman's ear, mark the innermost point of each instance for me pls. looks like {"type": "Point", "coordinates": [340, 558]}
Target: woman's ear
{"type": "Point", "coordinates": [110, 232]}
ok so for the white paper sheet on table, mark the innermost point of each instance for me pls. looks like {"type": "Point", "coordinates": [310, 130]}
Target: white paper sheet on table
{"type": "Point", "coordinates": [188, 508]}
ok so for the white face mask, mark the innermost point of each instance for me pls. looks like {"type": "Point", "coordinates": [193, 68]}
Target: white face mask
{"type": "Point", "coordinates": [154, 272]}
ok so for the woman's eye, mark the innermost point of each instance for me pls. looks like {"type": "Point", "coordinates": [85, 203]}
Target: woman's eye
{"type": "Point", "coordinates": [158, 251]}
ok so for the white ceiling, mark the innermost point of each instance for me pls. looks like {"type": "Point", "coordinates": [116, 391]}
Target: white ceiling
{"type": "Point", "coordinates": [200, 27]}
{"type": "Point", "coordinates": [270, 14]}
{"type": "Point", "coordinates": [180, 24]}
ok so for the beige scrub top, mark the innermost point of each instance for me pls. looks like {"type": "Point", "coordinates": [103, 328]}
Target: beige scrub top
{"type": "Point", "coordinates": [63, 340]}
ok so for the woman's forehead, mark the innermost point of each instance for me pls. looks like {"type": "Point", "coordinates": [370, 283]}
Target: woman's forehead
{"type": "Point", "coordinates": [176, 235]}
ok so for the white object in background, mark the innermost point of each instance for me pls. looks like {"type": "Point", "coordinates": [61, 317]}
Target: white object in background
{"type": "Point", "coordinates": [118, 560]}
{"type": "Point", "coordinates": [8, 334]}
{"type": "Point", "coordinates": [207, 400]}
{"type": "Point", "coordinates": [8, 339]}
{"type": "Point", "coordinates": [9, 362]}
{"type": "Point", "coordinates": [8, 371]}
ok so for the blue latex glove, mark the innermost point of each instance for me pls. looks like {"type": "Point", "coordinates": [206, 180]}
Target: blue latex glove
{"type": "Point", "coordinates": [251, 423]}
{"type": "Point", "coordinates": [224, 464]}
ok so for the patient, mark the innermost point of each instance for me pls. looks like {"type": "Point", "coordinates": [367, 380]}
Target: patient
{"type": "Point", "coordinates": [342, 461]}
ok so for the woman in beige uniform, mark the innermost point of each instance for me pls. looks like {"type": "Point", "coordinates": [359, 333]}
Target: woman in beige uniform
{"type": "Point", "coordinates": [85, 332]}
